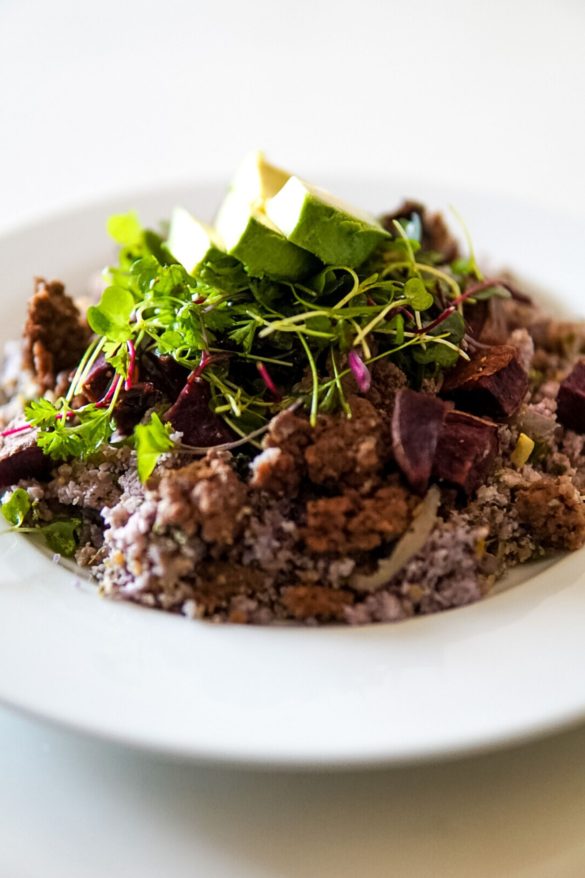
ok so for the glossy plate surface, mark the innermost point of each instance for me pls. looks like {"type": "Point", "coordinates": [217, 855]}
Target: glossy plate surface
{"type": "Point", "coordinates": [506, 669]}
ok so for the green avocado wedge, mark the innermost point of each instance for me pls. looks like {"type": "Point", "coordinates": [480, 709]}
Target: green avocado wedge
{"type": "Point", "coordinates": [191, 242]}
{"type": "Point", "coordinates": [253, 239]}
{"type": "Point", "coordinates": [256, 180]}
{"type": "Point", "coordinates": [336, 232]}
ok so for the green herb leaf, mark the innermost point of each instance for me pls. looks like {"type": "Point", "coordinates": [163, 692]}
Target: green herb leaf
{"type": "Point", "coordinates": [41, 413]}
{"type": "Point", "coordinates": [16, 507]}
{"type": "Point", "coordinates": [453, 328]}
{"type": "Point", "coordinates": [125, 228]}
{"type": "Point", "coordinates": [61, 437]}
{"type": "Point", "coordinates": [417, 294]}
{"type": "Point", "coordinates": [151, 440]}
{"type": "Point", "coordinates": [495, 292]}
{"type": "Point", "coordinates": [111, 318]}
{"type": "Point", "coordinates": [224, 273]}
{"type": "Point", "coordinates": [61, 536]}
{"type": "Point", "coordinates": [117, 356]}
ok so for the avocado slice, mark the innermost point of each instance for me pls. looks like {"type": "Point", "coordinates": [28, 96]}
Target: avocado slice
{"type": "Point", "coordinates": [253, 239]}
{"type": "Point", "coordinates": [333, 230]}
{"type": "Point", "coordinates": [256, 180]}
{"type": "Point", "coordinates": [191, 242]}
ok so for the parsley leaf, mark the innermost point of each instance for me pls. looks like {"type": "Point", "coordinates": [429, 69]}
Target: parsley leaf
{"type": "Point", "coordinates": [62, 438]}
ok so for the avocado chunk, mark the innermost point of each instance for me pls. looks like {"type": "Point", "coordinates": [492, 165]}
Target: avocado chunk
{"type": "Point", "coordinates": [256, 180]}
{"type": "Point", "coordinates": [253, 239]}
{"type": "Point", "coordinates": [333, 230]}
{"type": "Point", "coordinates": [191, 242]}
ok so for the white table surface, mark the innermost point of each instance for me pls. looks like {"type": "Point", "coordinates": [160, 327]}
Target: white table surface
{"type": "Point", "coordinates": [101, 97]}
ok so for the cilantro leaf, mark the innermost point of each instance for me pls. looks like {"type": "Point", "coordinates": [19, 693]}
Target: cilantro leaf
{"type": "Point", "coordinates": [151, 440]}
{"type": "Point", "coordinates": [16, 507]}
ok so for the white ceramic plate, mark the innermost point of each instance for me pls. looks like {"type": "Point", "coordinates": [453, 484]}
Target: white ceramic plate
{"type": "Point", "coordinates": [502, 670]}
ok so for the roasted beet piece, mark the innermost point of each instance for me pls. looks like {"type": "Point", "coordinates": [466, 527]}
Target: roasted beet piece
{"type": "Point", "coordinates": [98, 380]}
{"type": "Point", "coordinates": [133, 404]}
{"type": "Point", "coordinates": [192, 415]}
{"type": "Point", "coordinates": [416, 424]}
{"type": "Point", "coordinates": [492, 383]}
{"type": "Point", "coordinates": [466, 450]}
{"type": "Point", "coordinates": [571, 400]}
{"type": "Point", "coordinates": [21, 458]}
{"type": "Point", "coordinates": [165, 373]}
{"type": "Point", "coordinates": [476, 316]}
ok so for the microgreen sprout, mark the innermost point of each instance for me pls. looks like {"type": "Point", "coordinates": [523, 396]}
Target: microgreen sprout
{"type": "Point", "coordinates": [258, 343]}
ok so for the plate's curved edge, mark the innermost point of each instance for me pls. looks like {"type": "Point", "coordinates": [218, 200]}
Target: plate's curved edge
{"type": "Point", "coordinates": [340, 762]}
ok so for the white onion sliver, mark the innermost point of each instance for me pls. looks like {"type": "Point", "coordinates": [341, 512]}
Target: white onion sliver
{"type": "Point", "coordinates": [409, 545]}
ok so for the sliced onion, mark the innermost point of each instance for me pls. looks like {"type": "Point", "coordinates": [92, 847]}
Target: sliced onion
{"type": "Point", "coordinates": [409, 545]}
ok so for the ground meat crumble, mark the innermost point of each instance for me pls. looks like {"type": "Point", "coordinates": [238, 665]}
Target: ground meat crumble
{"type": "Point", "coordinates": [289, 535]}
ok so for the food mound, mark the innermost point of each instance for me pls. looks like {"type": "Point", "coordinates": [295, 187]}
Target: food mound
{"type": "Point", "coordinates": [301, 414]}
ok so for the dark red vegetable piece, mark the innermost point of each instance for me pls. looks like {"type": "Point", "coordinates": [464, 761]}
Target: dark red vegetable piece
{"type": "Point", "coordinates": [571, 399]}
{"type": "Point", "coordinates": [492, 383]}
{"type": "Point", "coordinates": [476, 316]}
{"type": "Point", "coordinates": [133, 405]}
{"type": "Point", "coordinates": [417, 419]}
{"type": "Point", "coordinates": [98, 380]}
{"type": "Point", "coordinates": [192, 415]}
{"type": "Point", "coordinates": [21, 458]}
{"type": "Point", "coordinates": [466, 450]}
{"type": "Point", "coordinates": [165, 373]}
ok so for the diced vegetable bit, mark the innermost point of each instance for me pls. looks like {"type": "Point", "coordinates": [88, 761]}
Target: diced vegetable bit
{"type": "Point", "coordinates": [256, 180]}
{"type": "Point", "coordinates": [21, 458]}
{"type": "Point", "coordinates": [253, 239]}
{"type": "Point", "coordinates": [571, 399]}
{"type": "Point", "coordinates": [192, 416]}
{"type": "Point", "coordinates": [191, 242]}
{"type": "Point", "coordinates": [523, 450]}
{"type": "Point", "coordinates": [336, 232]}
{"type": "Point", "coordinates": [493, 382]}
{"type": "Point", "coordinates": [417, 420]}
{"type": "Point", "coordinates": [466, 450]}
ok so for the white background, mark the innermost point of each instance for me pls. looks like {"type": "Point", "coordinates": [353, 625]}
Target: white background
{"type": "Point", "coordinates": [101, 97]}
{"type": "Point", "coordinates": [97, 97]}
